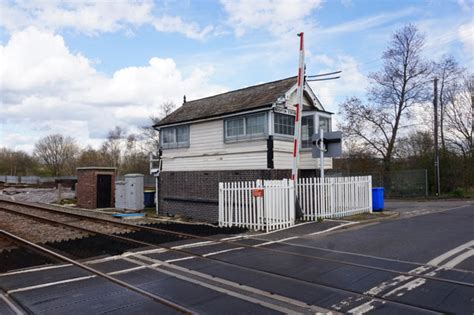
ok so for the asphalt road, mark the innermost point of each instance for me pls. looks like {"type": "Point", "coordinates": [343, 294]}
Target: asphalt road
{"type": "Point", "coordinates": [421, 263]}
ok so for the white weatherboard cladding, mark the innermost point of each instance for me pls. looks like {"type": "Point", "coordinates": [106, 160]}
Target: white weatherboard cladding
{"type": "Point", "coordinates": [283, 157]}
{"type": "Point", "coordinates": [207, 151]}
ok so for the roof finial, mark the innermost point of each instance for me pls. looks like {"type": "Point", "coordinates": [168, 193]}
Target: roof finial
{"type": "Point", "coordinates": [184, 99]}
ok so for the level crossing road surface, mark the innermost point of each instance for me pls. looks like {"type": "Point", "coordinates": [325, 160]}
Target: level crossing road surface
{"type": "Point", "coordinates": [410, 265]}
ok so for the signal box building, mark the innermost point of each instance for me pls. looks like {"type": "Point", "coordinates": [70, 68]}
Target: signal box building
{"type": "Point", "coordinates": [242, 135]}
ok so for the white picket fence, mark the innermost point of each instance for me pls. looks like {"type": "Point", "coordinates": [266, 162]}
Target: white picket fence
{"type": "Point", "coordinates": [334, 197]}
{"type": "Point", "coordinates": [270, 204]}
{"type": "Point", "coordinates": [258, 205]}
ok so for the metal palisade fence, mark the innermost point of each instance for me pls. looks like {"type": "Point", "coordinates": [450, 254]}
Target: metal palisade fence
{"type": "Point", "coordinates": [258, 205]}
{"type": "Point", "coordinates": [270, 204]}
{"type": "Point", "coordinates": [334, 197]}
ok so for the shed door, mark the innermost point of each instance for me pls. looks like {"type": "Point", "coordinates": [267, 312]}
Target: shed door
{"type": "Point", "coordinates": [104, 191]}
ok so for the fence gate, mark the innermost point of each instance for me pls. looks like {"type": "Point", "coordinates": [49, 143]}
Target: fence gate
{"type": "Point", "coordinates": [258, 205]}
{"type": "Point", "coordinates": [334, 197]}
{"type": "Point", "coordinates": [270, 205]}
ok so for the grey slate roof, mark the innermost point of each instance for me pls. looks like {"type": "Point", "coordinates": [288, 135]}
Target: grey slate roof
{"type": "Point", "coordinates": [253, 97]}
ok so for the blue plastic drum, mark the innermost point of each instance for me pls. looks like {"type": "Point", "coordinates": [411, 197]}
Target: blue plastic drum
{"type": "Point", "coordinates": [377, 198]}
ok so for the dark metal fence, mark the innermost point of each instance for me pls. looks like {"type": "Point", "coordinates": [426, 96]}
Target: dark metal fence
{"type": "Point", "coordinates": [405, 183]}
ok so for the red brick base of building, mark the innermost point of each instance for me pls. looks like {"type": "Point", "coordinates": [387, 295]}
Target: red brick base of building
{"type": "Point", "coordinates": [196, 194]}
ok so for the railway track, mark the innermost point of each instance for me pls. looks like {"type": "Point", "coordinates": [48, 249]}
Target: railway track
{"type": "Point", "coordinates": [46, 252]}
{"type": "Point", "coordinates": [147, 230]}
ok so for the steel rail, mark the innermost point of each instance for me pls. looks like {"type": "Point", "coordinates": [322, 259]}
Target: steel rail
{"type": "Point", "coordinates": [235, 243]}
{"type": "Point", "coordinates": [116, 237]}
{"type": "Point", "coordinates": [128, 286]}
{"type": "Point", "coordinates": [182, 251]}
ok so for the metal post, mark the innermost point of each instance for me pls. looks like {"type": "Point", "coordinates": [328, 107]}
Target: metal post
{"type": "Point", "coordinates": [321, 153]}
{"type": "Point", "coordinates": [436, 157]}
{"type": "Point", "coordinates": [426, 182]}
{"type": "Point", "coordinates": [156, 194]}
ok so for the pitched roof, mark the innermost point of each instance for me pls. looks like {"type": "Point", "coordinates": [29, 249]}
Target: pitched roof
{"type": "Point", "coordinates": [252, 97]}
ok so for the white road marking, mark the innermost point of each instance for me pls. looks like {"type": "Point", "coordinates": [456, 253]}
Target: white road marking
{"type": "Point", "coordinates": [222, 251]}
{"type": "Point", "coordinates": [156, 263]}
{"type": "Point", "coordinates": [337, 220]}
{"type": "Point", "coordinates": [44, 285]}
{"type": "Point", "coordinates": [409, 286]}
{"type": "Point", "coordinates": [457, 260]}
{"type": "Point", "coordinates": [416, 282]}
{"type": "Point", "coordinates": [416, 213]}
{"type": "Point", "coordinates": [49, 284]}
{"type": "Point", "coordinates": [18, 272]}
{"type": "Point", "coordinates": [436, 261]}
{"type": "Point", "coordinates": [232, 238]}
{"type": "Point", "coordinates": [334, 228]}
{"type": "Point", "coordinates": [180, 259]}
{"type": "Point", "coordinates": [198, 244]}
{"type": "Point", "coordinates": [150, 251]}
{"type": "Point", "coordinates": [363, 308]}
{"type": "Point", "coordinates": [277, 241]}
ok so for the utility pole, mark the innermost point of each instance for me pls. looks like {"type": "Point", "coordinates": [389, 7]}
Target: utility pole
{"type": "Point", "coordinates": [436, 155]}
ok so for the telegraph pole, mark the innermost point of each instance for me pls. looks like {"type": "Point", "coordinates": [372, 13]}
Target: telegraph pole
{"type": "Point", "coordinates": [436, 155]}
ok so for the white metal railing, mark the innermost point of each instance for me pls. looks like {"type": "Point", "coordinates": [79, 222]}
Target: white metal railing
{"type": "Point", "coordinates": [258, 205]}
{"type": "Point", "coordinates": [334, 196]}
{"type": "Point", "coordinates": [270, 204]}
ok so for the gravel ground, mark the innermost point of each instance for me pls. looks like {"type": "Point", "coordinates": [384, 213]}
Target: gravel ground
{"type": "Point", "coordinates": [100, 227]}
{"type": "Point", "coordinates": [6, 244]}
{"type": "Point", "coordinates": [42, 195]}
{"type": "Point", "coordinates": [35, 231]}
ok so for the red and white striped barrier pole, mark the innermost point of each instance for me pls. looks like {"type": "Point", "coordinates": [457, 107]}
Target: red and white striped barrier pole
{"type": "Point", "coordinates": [299, 109]}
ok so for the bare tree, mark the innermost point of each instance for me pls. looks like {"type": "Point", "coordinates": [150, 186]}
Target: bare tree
{"type": "Point", "coordinates": [448, 72]}
{"type": "Point", "coordinates": [17, 162]}
{"type": "Point", "coordinates": [56, 152]}
{"type": "Point", "coordinates": [394, 90]}
{"type": "Point", "coordinates": [460, 117]}
{"type": "Point", "coordinates": [167, 108]}
{"type": "Point", "coordinates": [135, 160]}
{"type": "Point", "coordinates": [91, 157]}
{"type": "Point", "coordinates": [149, 134]}
{"type": "Point", "coordinates": [112, 148]}
{"type": "Point", "coordinates": [417, 144]}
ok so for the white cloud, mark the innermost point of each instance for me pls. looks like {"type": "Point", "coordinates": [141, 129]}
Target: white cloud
{"type": "Point", "coordinates": [352, 81]}
{"type": "Point", "coordinates": [47, 89]}
{"type": "Point", "coordinates": [93, 17]}
{"type": "Point", "coordinates": [277, 16]}
{"type": "Point", "coordinates": [443, 36]}
{"type": "Point", "coordinates": [466, 5]}
{"type": "Point", "coordinates": [466, 36]}
{"type": "Point", "coordinates": [173, 23]}
{"type": "Point", "coordinates": [367, 22]}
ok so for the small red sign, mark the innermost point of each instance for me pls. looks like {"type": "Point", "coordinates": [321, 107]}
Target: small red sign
{"type": "Point", "coordinates": [258, 192]}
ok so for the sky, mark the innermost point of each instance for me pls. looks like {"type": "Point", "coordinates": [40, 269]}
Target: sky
{"type": "Point", "coordinates": [80, 68]}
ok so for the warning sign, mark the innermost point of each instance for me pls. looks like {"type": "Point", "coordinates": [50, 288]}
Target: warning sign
{"type": "Point", "coordinates": [258, 192]}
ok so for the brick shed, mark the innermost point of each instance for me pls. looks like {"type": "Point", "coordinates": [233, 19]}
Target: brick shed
{"type": "Point", "coordinates": [95, 187]}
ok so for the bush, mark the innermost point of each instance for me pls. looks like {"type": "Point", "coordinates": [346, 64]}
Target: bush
{"type": "Point", "coordinates": [459, 192]}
